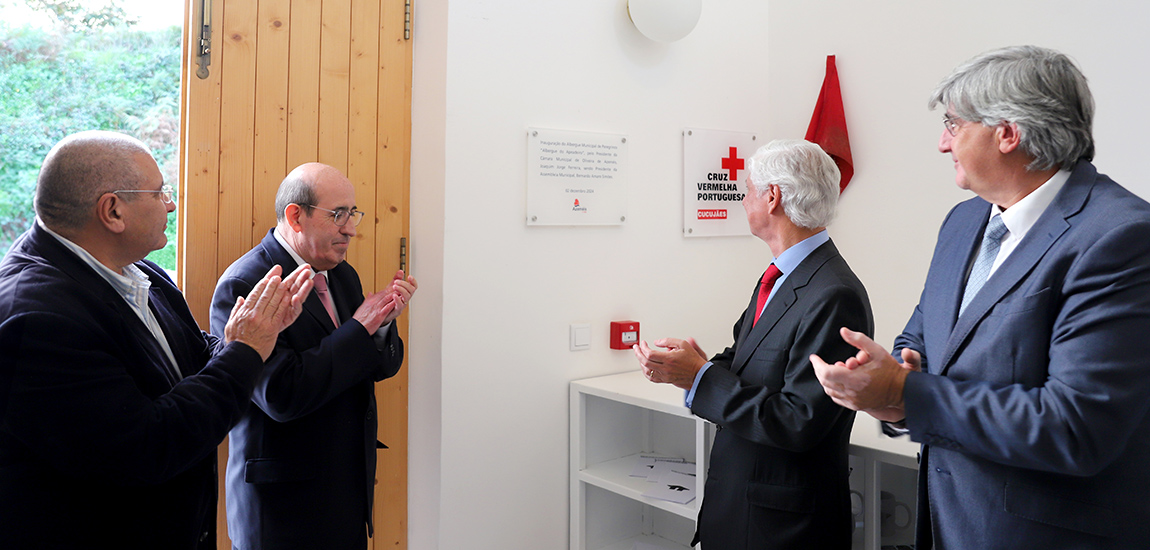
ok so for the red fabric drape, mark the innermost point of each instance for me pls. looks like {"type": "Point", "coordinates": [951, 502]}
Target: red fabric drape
{"type": "Point", "coordinates": [828, 126]}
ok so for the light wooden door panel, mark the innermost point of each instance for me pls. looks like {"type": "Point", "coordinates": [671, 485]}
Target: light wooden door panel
{"type": "Point", "coordinates": [294, 81]}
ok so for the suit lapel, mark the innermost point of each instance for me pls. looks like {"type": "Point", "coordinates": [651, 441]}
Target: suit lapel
{"type": "Point", "coordinates": [785, 297]}
{"type": "Point", "coordinates": [165, 316]}
{"type": "Point", "coordinates": [67, 262]}
{"type": "Point", "coordinates": [1051, 225]}
{"type": "Point", "coordinates": [346, 292]}
{"type": "Point", "coordinates": [967, 240]}
{"type": "Point", "coordinates": [162, 366]}
{"type": "Point", "coordinates": [183, 334]}
{"type": "Point", "coordinates": [782, 301]}
{"type": "Point", "coordinates": [749, 315]}
{"type": "Point", "coordinates": [278, 255]}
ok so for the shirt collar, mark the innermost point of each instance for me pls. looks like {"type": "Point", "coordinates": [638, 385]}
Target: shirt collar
{"type": "Point", "coordinates": [790, 259]}
{"type": "Point", "coordinates": [132, 284]}
{"type": "Point", "coordinates": [1023, 215]}
{"type": "Point", "coordinates": [295, 256]}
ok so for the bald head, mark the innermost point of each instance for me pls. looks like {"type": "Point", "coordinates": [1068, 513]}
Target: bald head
{"type": "Point", "coordinates": [300, 186]}
{"type": "Point", "coordinates": [310, 200]}
{"type": "Point", "coordinates": [79, 170]}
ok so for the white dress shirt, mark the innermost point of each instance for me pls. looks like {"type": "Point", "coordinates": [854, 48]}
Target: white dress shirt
{"type": "Point", "coordinates": [1022, 216]}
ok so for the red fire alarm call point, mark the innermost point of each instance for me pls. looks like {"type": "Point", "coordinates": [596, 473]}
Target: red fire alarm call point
{"type": "Point", "coordinates": [624, 334]}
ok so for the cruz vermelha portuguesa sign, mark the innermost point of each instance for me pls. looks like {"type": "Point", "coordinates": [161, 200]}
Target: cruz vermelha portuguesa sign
{"type": "Point", "coordinates": [714, 167]}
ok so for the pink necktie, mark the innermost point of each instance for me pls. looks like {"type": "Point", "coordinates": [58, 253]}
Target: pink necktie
{"type": "Point", "coordinates": [325, 296]}
{"type": "Point", "coordinates": [768, 282]}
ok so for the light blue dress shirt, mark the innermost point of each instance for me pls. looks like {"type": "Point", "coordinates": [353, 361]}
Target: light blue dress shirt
{"type": "Point", "coordinates": [787, 262]}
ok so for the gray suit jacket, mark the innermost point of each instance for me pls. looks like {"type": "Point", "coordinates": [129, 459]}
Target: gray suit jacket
{"type": "Point", "coordinates": [1033, 407]}
{"type": "Point", "coordinates": [778, 476]}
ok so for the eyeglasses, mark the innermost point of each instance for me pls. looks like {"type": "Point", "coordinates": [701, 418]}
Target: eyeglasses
{"type": "Point", "coordinates": [167, 194]}
{"type": "Point", "coordinates": [951, 123]}
{"type": "Point", "coordinates": [340, 217]}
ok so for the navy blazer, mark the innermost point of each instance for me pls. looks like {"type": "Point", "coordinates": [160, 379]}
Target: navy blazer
{"type": "Point", "coordinates": [301, 469]}
{"type": "Point", "coordinates": [778, 476]}
{"type": "Point", "coordinates": [98, 446]}
{"type": "Point", "coordinates": [1032, 409]}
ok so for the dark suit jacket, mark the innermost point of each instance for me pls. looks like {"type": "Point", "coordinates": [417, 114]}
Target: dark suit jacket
{"type": "Point", "coordinates": [301, 469]}
{"type": "Point", "coordinates": [98, 448]}
{"type": "Point", "coordinates": [778, 474]}
{"type": "Point", "coordinates": [1033, 409]}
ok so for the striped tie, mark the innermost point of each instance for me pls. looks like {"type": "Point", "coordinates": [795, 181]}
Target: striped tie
{"type": "Point", "coordinates": [991, 240]}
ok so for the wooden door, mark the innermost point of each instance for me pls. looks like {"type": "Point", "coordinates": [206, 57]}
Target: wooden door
{"type": "Point", "coordinates": [294, 81]}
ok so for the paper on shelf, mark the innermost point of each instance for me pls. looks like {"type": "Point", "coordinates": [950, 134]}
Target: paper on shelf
{"type": "Point", "coordinates": [644, 464]}
{"type": "Point", "coordinates": [662, 467]}
{"type": "Point", "coordinates": [676, 485]}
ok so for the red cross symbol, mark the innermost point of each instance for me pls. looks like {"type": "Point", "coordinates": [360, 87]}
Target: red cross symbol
{"type": "Point", "coordinates": [733, 164]}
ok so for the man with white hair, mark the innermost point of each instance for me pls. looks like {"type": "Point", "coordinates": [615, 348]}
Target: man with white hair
{"type": "Point", "coordinates": [1023, 367]}
{"type": "Point", "coordinates": [778, 475]}
{"type": "Point", "coordinates": [112, 400]}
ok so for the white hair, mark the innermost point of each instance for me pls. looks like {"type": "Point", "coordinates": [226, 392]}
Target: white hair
{"type": "Point", "coordinates": [807, 177]}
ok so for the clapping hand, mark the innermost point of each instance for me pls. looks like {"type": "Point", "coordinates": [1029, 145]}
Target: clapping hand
{"type": "Point", "coordinates": [380, 308]}
{"type": "Point", "coordinates": [273, 305]}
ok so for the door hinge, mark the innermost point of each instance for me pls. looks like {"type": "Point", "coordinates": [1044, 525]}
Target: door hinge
{"type": "Point", "coordinates": [204, 37]}
{"type": "Point", "coordinates": [403, 254]}
{"type": "Point", "coordinates": [407, 20]}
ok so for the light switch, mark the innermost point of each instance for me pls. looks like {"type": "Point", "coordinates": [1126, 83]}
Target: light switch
{"type": "Point", "coordinates": [580, 336]}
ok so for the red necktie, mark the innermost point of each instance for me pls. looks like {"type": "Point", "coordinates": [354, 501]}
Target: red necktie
{"type": "Point", "coordinates": [765, 285]}
{"type": "Point", "coordinates": [320, 283]}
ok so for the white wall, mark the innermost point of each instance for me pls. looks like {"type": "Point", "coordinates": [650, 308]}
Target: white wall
{"type": "Point", "coordinates": [890, 57]}
{"type": "Point", "coordinates": [425, 337]}
{"type": "Point", "coordinates": [489, 357]}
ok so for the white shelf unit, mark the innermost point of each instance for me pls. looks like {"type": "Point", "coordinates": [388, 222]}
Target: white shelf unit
{"type": "Point", "coordinates": [615, 417]}
{"type": "Point", "coordinates": [887, 464]}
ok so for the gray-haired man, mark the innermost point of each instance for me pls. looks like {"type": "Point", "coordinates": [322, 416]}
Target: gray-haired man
{"type": "Point", "coordinates": [1023, 368]}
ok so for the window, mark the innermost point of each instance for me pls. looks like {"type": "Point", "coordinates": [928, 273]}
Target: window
{"type": "Point", "coordinates": [68, 66]}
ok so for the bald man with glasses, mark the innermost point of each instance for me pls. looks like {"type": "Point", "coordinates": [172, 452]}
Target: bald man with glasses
{"type": "Point", "coordinates": [112, 400]}
{"type": "Point", "coordinates": [301, 470]}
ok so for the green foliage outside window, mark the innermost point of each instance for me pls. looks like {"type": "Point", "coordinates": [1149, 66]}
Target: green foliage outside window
{"type": "Point", "coordinates": [57, 82]}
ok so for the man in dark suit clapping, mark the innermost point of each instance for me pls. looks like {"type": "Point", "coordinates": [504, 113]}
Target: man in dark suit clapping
{"type": "Point", "coordinates": [112, 400]}
{"type": "Point", "coordinates": [778, 474]}
{"type": "Point", "coordinates": [301, 469]}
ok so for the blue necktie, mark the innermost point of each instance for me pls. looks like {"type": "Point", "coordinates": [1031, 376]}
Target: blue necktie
{"type": "Point", "coordinates": [991, 240]}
